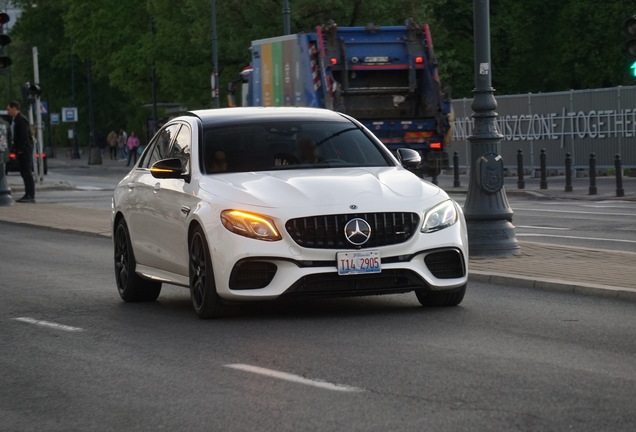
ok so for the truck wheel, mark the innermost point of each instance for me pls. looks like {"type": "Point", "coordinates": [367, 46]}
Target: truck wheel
{"type": "Point", "coordinates": [441, 298]}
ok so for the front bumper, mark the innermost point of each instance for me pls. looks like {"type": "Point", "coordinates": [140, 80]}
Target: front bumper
{"type": "Point", "coordinates": [287, 270]}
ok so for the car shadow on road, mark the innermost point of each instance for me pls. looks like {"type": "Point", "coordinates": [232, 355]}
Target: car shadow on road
{"type": "Point", "coordinates": [174, 303]}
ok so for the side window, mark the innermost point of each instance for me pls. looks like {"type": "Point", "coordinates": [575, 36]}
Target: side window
{"type": "Point", "coordinates": [162, 145]}
{"type": "Point", "coordinates": [145, 156]}
{"type": "Point", "coordinates": [181, 147]}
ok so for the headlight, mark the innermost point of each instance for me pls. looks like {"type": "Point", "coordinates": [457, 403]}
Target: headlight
{"type": "Point", "coordinates": [439, 217]}
{"type": "Point", "coordinates": [250, 225]}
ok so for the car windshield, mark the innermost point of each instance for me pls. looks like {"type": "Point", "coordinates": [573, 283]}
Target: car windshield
{"type": "Point", "coordinates": [289, 145]}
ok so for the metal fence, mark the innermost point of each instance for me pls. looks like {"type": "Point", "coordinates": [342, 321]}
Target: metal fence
{"type": "Point", "coordinates": [602, 121]}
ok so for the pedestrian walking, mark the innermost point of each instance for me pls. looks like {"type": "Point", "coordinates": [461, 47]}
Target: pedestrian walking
{"type": "Point", "coordinates": [133, 146]}
{"type": "Point", "coordinates": [121, 145]}
{"type": "Point", "coordinates": [101, 142]}
{"type": "Point", "coordinates": [112, 143]}
{"type": "Point", "coordinates": [23, 148]}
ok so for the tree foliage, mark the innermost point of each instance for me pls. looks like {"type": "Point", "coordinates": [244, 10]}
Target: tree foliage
{"type": "Point", "coordinates": [537, 45]}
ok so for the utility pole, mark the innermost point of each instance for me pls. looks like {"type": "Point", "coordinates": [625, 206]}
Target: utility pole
{"type": "Point", "coordinates": [76, 153]}
{"type": "Point", "coordinates": [38, 116]}
{"type": "Point", "coordinates": [215, 59]}
{"type": "Point", "coordinates": [154, 80]}
{"type": "Point", "coordinates": [94, 155]}
{"type": "Point", "coordinates": [286, 13]}
{"type": "Point", "coordinates": [488, 214]}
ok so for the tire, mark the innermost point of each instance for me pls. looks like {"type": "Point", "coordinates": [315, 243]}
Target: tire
{"type": "Point", "coordinates": [441, 298]}
{"type": "Point", "coordinates": [205, 300]}
{"type": "Point", "coordinates": [131, 286]}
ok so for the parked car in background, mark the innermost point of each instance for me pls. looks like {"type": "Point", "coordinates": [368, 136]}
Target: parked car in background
{"type": "Point", "coordinates": [12, 163]}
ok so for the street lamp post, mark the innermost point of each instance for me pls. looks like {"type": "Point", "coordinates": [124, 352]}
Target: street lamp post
{"type": "Point", "coordinates": [76, 152]}
{"type": "Point", "coordinates": [215, 58]}
{"type": "Point", "coordinates": [488, 214]}
{"type": "Point", "coordinates": [286, 13]}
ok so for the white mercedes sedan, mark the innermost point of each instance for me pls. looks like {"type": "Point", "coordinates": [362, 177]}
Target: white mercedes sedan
{"type": "Point", "coordinates": [247, 204]}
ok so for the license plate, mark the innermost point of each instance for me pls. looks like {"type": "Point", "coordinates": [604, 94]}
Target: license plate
{"type": "Point", "coordinates": [376, 59]}
{"type": "Point", "coordinates": [362, 262]}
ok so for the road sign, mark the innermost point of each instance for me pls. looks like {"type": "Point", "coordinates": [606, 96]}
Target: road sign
{"type": "Point", "coordinates": [44, 106]}
{"type": "Point", "coordinates": [69, 115]}
{"type": "Point", "coordinates": [55, 118]}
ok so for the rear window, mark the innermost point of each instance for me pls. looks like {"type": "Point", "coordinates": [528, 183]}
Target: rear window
{"type": "Point", "coordinates": [289, 145]}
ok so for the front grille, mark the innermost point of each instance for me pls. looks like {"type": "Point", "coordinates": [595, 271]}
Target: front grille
{"type": "Point", "coordinates": [252, 275]}
{"type": "Point", "coordinates": [446, 264]}
{"type": "Point", "coordinates": [327, 232]}
{"type": "Point", "coordinates": [333, 285]}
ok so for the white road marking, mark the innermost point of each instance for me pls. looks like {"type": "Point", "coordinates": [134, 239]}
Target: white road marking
{"type": "Point", "coordinates": [606, 206]}
{"type": "Point", "coordinates": [575, 212]}
{"type": "Point", "coordinates": [293, 378]}
{"type": "Point", "coordinates": [89, 188]}
{"type": "Point", "coordinates": [48, 324]}
{"type": "Point", "coordinates": [542, 228]}
{"type": "Point", "coordinates": [575, 237]}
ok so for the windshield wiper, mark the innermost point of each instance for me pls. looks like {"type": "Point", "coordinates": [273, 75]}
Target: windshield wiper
{"type": "Point", "coordinates": [335, 135]}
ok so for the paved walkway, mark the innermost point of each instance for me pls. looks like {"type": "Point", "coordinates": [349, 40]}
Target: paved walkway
{"type": "Point", "coordinates": [539, 265]}
{"type": "Point", "coordinates": [606, 188]}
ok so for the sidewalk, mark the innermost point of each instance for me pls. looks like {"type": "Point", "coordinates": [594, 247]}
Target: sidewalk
{"type": "Point", "coordinates": [606, 188]}
{"type": "Point", "coordinates": [577, 270]}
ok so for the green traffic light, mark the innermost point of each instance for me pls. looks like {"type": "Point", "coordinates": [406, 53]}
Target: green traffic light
{"type": "Point", "coordinates": [633, 68]}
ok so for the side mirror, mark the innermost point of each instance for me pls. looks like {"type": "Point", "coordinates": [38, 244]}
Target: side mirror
{"type": "Point", "coordinates": [169, 169]}
{"type": "Point", "coordinates": [409, 158]}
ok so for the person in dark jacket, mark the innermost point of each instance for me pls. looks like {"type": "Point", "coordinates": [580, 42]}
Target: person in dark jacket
{"type": "Point", "coordinates": [23, 148]}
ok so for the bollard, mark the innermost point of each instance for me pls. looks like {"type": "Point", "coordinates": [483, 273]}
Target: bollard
{"type": "Point", "coordinates": [592, 174]}
{"type": "Point", "coordinates": [568, 172]}
{"type": "Point", "coordinates": [5, 192]}
{"type": "Point", "coordinates": [618, 167]}
{"type": "Point", "coordinates": [456, 170]}
{"type": "Point", "coordinates": [520, 181]}
{"type": "Point", "coordinates": [543, 184]}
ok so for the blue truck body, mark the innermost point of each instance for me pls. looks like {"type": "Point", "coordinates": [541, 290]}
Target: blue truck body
{"type": "Point", "coordinates": [385, 77]}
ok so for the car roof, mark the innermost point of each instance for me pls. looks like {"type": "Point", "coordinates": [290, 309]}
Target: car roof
{"type": "Point", "coordinates": [222, 116]}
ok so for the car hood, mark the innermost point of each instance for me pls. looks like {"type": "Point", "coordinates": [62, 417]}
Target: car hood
{"type": "Point", "coordinates": [319, 187]}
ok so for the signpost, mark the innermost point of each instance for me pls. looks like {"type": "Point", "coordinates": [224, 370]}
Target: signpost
{"type": "Point", "coordinates": [69, 115]}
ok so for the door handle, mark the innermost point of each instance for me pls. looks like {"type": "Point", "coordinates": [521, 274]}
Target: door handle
{"type": "Point", "coordinates": [156, 187]}
{"type": "Point", "coordinates": [131, 185]}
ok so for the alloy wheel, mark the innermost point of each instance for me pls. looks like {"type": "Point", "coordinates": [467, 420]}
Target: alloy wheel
{"type": "Point", "coordinates": [197, 271]}
{"type": "Point", "coordinates": [121, 258]}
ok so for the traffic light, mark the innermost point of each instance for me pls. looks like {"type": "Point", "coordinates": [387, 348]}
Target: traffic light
{"type": "Point", "coordinates": [5, 40]}
{"type": "Point", "coordinates": [30, 92]}
{"type": "Point", "coordinates": [630, 43]}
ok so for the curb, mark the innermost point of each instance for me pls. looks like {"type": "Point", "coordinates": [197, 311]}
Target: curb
{"type": "Point", "coordinates": [557, 285]}
{"type": "Point", "coordinates": [62, 230]}
{"type": "Point", "coordinates": [62, 186]}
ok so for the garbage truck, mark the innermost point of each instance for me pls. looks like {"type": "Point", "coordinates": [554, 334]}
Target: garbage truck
{"type": "Point", "coordinates": [385, 77]}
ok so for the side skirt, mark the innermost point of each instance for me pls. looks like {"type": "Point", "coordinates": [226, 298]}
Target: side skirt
{"type": "Point", "coordinates": [154, 274]}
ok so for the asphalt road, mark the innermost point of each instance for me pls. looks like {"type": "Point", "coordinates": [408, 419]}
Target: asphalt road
{"type": "Point", "coordinates": [593, 224]}
{"type": "Point", "coordinates": [508, 358]}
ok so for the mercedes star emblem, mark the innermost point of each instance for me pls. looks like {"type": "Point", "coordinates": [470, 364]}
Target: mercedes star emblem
{"type": "Point", "coordinates": [357, 231]}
